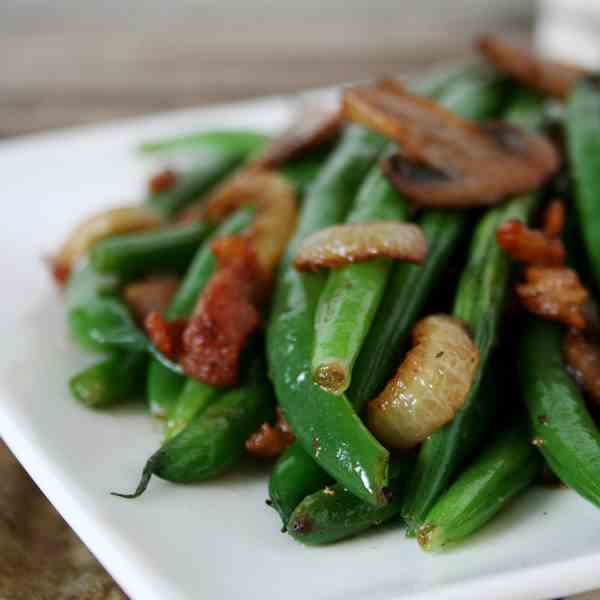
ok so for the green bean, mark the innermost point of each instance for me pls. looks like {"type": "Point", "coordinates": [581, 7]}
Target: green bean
{"type": "Point", "coordinates": [324, 424]}
{"type": "Point", "coordinates": [564, 432]}
{"type": "Point", "coordinates": [479, 302]}
{"type": "Point", "coordinates": [476, 95]}
{"type": "Point", "coordinates": [583, 136]}
{"type": "Point", "coordinates": [333, 513]}
{"type": "Point", "coordinates": [238, 141]}
{"type": "Point", "coordinates": [192, 184]}
{"type": "Point", "coordinates": [115, 379]}
{"type": "Point", "coordinates": [503, 470]}
{"type": "Point", "coordinates": [213, 442]}
{"type": "Point", "coordinates": [294, 476]}
{"type": "Point", "coordinates": [133, 254]}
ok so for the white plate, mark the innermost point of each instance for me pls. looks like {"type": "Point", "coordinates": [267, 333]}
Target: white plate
{"type": "Point", "coordinates": [215, 540]}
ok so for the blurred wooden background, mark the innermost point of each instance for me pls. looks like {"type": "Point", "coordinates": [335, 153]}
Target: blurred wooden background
{"type": "Point", "coordinates": [67, 62]}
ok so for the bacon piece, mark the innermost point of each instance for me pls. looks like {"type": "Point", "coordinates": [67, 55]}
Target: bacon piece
{"type": "Point", "coordinates": [340, 245]}
{"type": "Point", "coordinates": [445, 160]}
{"type": "Point", "coordinates": [270, 440]}
{"type": "Point", "coordinates": [546, 76]}
{"type": "Point", "coordinates": [163, 181]}
{"type": "Point", "coordinates": [165, 335]}
{"type": "Point", "coordinates": [151, 294]}
{"type": "Point", "coordinates": [529, 245]}
{"type": "Point", "coordinates": [554, 219]}
{"type": "Point", "coordinates": [114, 221]}
{"type": "Point", "coordinates": [583, 357]}
{"type": "Point", "coordinates": [554, 293]}
{"type": "Point", "coordinates": [226, 314]}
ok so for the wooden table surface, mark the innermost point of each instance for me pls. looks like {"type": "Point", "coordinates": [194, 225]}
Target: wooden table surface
{"type": "Point", "coordinates": [61, 66]}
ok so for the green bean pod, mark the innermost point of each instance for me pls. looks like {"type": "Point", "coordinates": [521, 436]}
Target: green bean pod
{"type": "Point", "coordinates": [333, 514]}
{"type": "Point", "coordinates": [195, 396]}
{"type": "Point", "coordinates": [563, 430]}
{"type": "Point", "coordinates": [583, 137]}
{"type": "Point", "coordinates": [294, 476]}
{"type": "Point", "coordinates": [236, 141]}
{"type": "Point", "coordinates": [502, 471]}
{"type": "Point", "coordinates": [166, 249]}
{"type": "Point", "coordinates": [116, 379]}
{"type": "Point", "coordinates": [213, 442]}
{"type": "Point", "coordinates": [479, 303]}
{"type": "Point", "coordinates": [325, 424]}
{"type": "Point", "coordinates": [192, 184]}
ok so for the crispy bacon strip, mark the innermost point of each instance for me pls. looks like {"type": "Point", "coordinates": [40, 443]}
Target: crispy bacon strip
{"type": "Point", "coordinates": [547, 76]}
{"type": "Point", "coordinates": [583, 357]}
{"type": "Point", "coordinates": [529, 245]}
{"type": "Point", "coordinates": [554, 293]}
{"type": "Point", "coordinates": [312, 128]}
{"type": "Point", "coordinates": [340, 245]}
{"type": "Point", "coordinates": [226, 314]}
{"type": "Point", "coordinates": [270, 440]}
{"type": "Point", "coordinates": [151, 294]}
{"type": "Point", "coordinates": [113, 221]}
{"type": "Point", "coordinates": [446, 161]}
{"type": "Point", "coordinates": [163, 181]}
{"type": "Point", "coordinates": [554, 219]}
{"type": "Point", "coordinates": [165, 335]}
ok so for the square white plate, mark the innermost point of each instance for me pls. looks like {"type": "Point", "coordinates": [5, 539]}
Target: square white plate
{"type": "Point", "coordinates": [215, 540]}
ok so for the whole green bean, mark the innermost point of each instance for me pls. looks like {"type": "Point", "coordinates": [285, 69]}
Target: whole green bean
{"type": "Point", "coordinates": [238, 141]}
{"type": "Point", "coordinates": [325, 424]}
{"type": "Point", "coordinates": [564, 432]}
{"type": "Point", "coordinates": [294, 476]}
{"type": "Point", "coordinates": [115, 379]}
{"type": "Point", "coordinates": [192, 184]}
{"type": "Point", "coordinates": [583, 136]}
{"type": "Point", "coordinates": [194, 397]}
{"type": "Point", "coordinates": [214, 441]}
{"type": "Point", "coordinates": [503, 470]}
{"type": "Point", "coordinates": [479, 303]}
{"type": "Point", "coordinates": [333, 513]}
{"type": "Point", "coordinates": [166, 249]}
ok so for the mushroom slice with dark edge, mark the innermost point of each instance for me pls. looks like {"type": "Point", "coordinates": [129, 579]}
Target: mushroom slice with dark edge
{"type": "Point", "coordinates": [546, 76]}
{"type": "Point", "coordinates": [340, 245]}
{"type": "Point", "coordinates": [447, 161]}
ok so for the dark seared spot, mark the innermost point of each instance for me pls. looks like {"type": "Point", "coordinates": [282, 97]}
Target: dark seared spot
{"type": "Point", "coordinates": [440, 354]}
{"type": "Point", "coordinates": [269, 502]}
{"type": "Point", "coordinates": [506, 137]}
{"type": "Point", "coordinates": [302, 524]}
{"type": "Point", "coordinates": [398, 166]}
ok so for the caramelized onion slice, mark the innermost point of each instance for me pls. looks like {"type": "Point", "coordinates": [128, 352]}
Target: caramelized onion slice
{"type": "Point", "coordinates": [110, 222]}
{"type": "Point", "coordinates": [546, 76]}
{"type": "Point", "coordinates": [556, 294]}
{"type": "Point", "coordinates": [529, 245]}
{"type": "Point", "coordinates": [430, 385]}
{"type": "Point", "coordinates": [583, 358]}
{"type": "Point", "coordinates": [445, 160]}
{"type": "Point", "coordinates": [340, 245]}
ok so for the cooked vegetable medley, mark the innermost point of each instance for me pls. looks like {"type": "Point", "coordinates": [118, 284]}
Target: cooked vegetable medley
{"type": "Point", "coordinates": [354, 296]}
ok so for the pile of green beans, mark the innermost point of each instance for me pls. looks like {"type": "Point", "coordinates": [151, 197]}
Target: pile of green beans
{"type": "Point", "coordinates": [336, 480]}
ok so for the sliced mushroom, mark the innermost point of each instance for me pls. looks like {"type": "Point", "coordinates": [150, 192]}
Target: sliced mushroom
{"type": "Point", "coordinates": [430, 385]}
{"type": "Point", "coordinates": [151, 294]}
{"type": "Point", "coordinates": [114, 221]}
{"type": "Point", "coordinates": [446, 161]}
{"type": "Point", "coordinates": [340, 245]}
{"type": "Point", "coordinates": [546, 76]}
